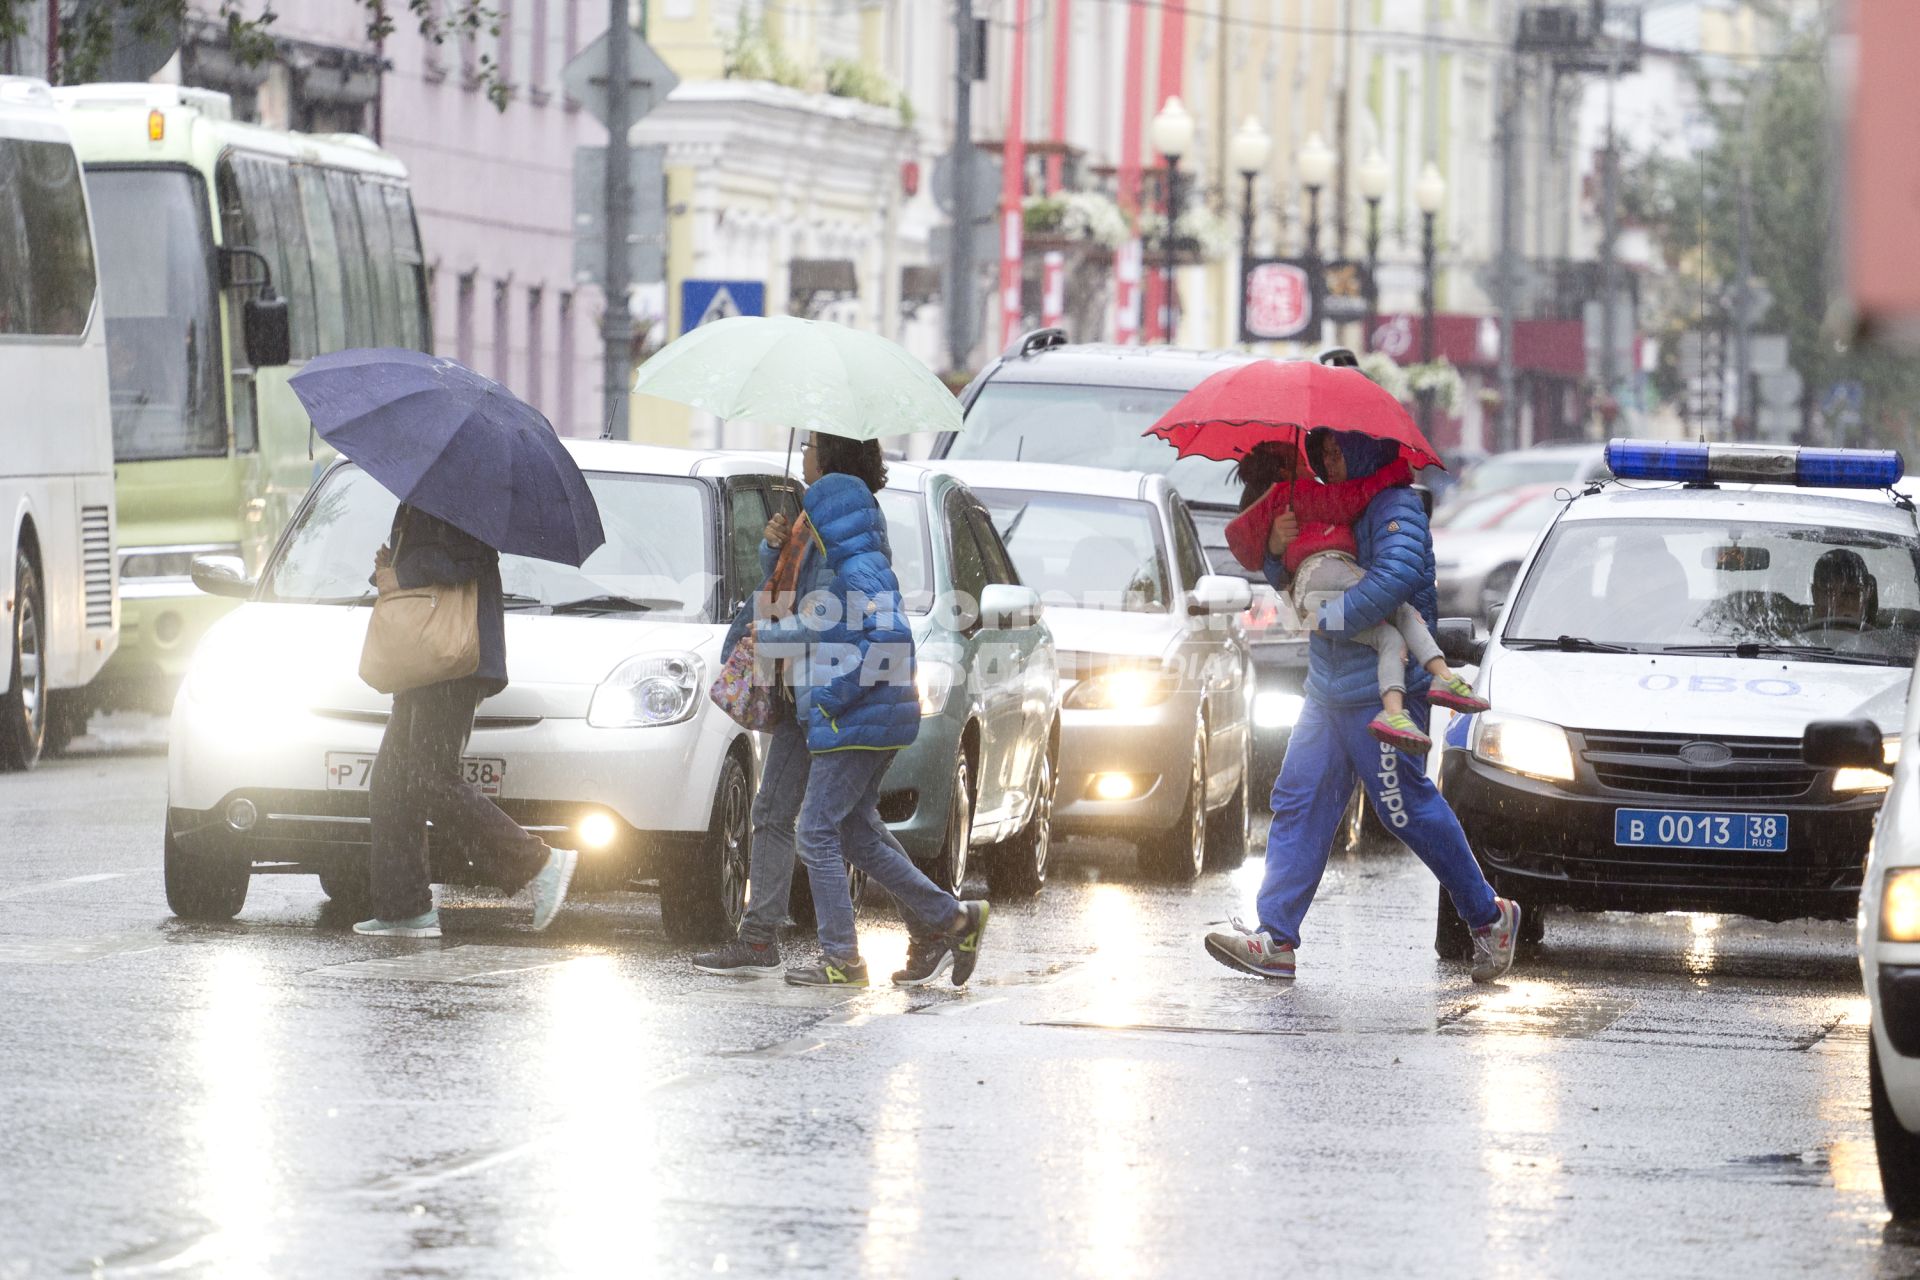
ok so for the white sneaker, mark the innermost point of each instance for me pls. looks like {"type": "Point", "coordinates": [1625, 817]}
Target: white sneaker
{"type": "Point", "coordinates": [550, 886]}
{"type": "Point", "coordinates": [1254, 952]}
{"type": "Point", "coordinates": [1493, 945]}
{"type": "Point", "coordinates": [420, 926]}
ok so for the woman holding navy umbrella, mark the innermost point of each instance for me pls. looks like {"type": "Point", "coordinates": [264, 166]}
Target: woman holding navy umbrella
{"type": "Point", "coordinates": [477, 471]}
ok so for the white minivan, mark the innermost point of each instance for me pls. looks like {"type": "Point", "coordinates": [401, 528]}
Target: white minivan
{"type": "Point", "coordinates": [59, 606]}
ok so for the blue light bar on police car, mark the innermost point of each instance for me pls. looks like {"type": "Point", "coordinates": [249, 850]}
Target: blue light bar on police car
{"type": "Point", "coordinates": [1692, 462]}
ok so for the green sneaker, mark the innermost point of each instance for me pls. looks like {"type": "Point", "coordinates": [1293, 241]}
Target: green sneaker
{"type": "Point", "coordinates": [966, 941]}
{"type": "Point", "coordinates": [1456, 694]}
{"type": "Point", "coordinates": [830, 973]}
{"type": "Point", "coordinates": [1397, 730]}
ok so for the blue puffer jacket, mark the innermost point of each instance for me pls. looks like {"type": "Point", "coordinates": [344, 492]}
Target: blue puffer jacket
{"type": "Point", "coordinates": [855, 676]}
{"type": "Point", "coordinates": [1396, 549]}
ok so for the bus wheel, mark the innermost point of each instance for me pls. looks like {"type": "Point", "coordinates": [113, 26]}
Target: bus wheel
{"type": "Point", "coordinates": [23, 709]}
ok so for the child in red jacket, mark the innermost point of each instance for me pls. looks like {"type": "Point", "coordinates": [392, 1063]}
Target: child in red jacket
{"type": "Point", "coordinates": [1321, 563]}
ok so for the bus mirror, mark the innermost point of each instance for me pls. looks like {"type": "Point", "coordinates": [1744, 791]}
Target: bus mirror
{"type": "Point", "coordinates": [269, 339]}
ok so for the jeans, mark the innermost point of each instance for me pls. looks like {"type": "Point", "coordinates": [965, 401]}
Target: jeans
{"type": "Point", "coordinates": [840, 819]}
{"type": "Point", "coordinates": [783, 781]}
{"type": "Point", "coordinates": [1329, 747]}
{"type": "Point", "coordinates": [1327, 575]}
{"type": "Point", "coordinates": [416, 779]}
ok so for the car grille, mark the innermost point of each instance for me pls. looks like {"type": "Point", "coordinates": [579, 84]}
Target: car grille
{"type": "Point", "coordinates": [1650, 764]}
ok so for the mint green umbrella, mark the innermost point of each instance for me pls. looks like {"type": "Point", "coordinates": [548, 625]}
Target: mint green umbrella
{"type": "Point", "coordinates": [806, 375]}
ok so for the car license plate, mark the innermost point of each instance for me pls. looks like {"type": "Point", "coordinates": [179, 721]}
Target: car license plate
{"type": "Point", "coordinates": [350, 771]}
{"type": "Point", "coordinates": [1691, 829]}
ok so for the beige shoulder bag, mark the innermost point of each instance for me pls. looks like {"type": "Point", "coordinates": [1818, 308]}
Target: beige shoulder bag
{"type": "Point", "coordinates": [421, 636]}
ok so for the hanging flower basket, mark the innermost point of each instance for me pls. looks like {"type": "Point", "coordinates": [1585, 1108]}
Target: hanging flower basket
{"type": "Point", "coordinates": [1440, 382]}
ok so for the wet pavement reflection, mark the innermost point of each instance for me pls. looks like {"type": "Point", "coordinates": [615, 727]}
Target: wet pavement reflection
{"type": "Point", "coordinates": [1675, 1094]}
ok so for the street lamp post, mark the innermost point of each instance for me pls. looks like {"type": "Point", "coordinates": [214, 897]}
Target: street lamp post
{"type": "Point", "coordinates": [1171, 133]}
{"type": "Point", "coordinates": [1249, 152]}
{"type": "Point", "coordinates": [1315, 164]}
{"type": "Point", "coordinates": [1374, 176]}
{"type": "Point", "coordinates": [1430, 193]}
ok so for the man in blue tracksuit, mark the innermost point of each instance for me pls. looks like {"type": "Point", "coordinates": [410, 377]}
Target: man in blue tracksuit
{"type": "Point", "coordinates": [1331, 745]}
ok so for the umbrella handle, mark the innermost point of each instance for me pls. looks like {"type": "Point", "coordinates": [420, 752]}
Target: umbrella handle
{"type": "Point", "coordinates": [787, 467]}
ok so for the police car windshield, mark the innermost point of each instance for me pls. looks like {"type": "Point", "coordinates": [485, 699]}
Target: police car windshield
{"type": "Point", "coordinates": [1760, 590]}
{"type": "Point", "coordinates": [1088, 427]}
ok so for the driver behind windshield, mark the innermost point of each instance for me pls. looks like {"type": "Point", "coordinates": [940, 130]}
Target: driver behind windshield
{"type": "Point", "coordinates": [1841, 585]}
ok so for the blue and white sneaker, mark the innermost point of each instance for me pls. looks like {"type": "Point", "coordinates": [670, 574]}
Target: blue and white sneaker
{"type": "Point", "coordinates": [550, 886]}
{"type": "Point", "coordinates": [421, 926]}
{"type": "Point", "coordinates": [1251, 950]}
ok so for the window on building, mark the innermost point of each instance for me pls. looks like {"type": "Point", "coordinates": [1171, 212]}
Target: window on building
{"type": "Point", "coordinates": [504, 43]}
{"type": "Point", "coordinates": [503, 334]}
{"type": "Point", "coordinates": [564, 360]}
{"type": "Point", "coordinates": [536, 348]}
{"type": "Point", "coordinates": [463, 319]}
{"type": "Point", "coordinates": [570, 38]}
{"type": "Point", "coordinates": [537, 61]}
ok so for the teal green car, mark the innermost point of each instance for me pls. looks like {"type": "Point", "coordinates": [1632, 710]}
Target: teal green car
{"type": "Point", "coordinates": [974, 793]}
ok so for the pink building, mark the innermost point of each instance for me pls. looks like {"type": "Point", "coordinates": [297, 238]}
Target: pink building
{"type": "Point", "coordinates": [493, 188]}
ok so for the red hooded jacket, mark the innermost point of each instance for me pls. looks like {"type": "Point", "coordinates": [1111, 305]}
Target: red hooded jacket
{"type": "Point", "coordinates": [1326, 511]}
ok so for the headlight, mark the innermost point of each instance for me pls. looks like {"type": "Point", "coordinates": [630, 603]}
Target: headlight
{"type": "Point", "coordinates": [1900, 906]}
{"type": "Point", "coordinates": [1869, 779]}
{"type": "Point", "coordinates": [1532, 747]}
{"type": "Point", "coordinates": [649, 690]}
{"type": "Point", "coordinates": [934, 681]}
{"type": "Point", "coordinates": [1277, 710]}
{"type": "Point", "coordinates": [1119, 689]}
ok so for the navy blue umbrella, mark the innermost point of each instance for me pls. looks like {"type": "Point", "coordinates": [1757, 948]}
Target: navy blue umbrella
{"type": "Point", "coordinates": [457, 446]}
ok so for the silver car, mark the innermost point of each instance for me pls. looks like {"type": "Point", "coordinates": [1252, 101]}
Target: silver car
{"type": "Point", "coordinates": [1478, 546]}
{"type": "Point", "coordinates": [1155, 675]}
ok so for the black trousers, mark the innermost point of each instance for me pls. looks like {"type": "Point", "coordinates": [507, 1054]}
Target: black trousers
{"type": "Point", "coordinates": [416, 780]}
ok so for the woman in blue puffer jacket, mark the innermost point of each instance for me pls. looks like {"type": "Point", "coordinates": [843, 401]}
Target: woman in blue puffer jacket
{"type": "Point", "coordinates": [849, 656]}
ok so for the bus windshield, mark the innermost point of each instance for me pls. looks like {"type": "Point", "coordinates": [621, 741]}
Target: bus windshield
{"type": "Point", "coordinates": [163, 349]}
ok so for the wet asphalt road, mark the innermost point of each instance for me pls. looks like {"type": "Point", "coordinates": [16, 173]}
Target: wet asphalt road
{"type": "Point", "coordinates": [1663, 1096]}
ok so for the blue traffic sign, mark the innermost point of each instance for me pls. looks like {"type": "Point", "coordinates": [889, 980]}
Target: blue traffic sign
{"type": "Point", "coordinates": [704, 300]}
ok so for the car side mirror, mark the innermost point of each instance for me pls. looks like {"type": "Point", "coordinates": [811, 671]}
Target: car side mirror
{"type": "Point", "coordinates": [269, 336]}
{"type": "Point", "coordinates": [222, 576]}
{"type": "Point", "coordinates": [1004, 606]}
{"type": "Point", "coordinates": [1460, 641]}
{"type": "Point", "coordinates": [1221, 593]}
{"type": "Point", "coordinates": [1845, 744]}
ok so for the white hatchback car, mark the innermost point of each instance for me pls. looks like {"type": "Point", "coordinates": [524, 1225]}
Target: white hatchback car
{"type": "Point", "coordinates": [605, 740]}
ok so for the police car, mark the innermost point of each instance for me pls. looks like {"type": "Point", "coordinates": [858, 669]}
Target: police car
{"type": "Point", "coordinates": [1672, 634]}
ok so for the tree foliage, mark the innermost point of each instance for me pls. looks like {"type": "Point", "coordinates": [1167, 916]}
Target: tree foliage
{"type": "Point", "coordinates": [87, 38]}
{"type": "Point", "coordinates": [1772, 133]}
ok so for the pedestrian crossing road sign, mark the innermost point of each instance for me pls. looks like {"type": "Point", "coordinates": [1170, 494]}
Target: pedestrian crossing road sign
{"type": "Point", "coordinates": [704, 300]}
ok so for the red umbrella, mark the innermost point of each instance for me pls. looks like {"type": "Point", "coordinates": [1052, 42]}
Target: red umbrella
{"type": "Point", "coordinates": [1237, 408]}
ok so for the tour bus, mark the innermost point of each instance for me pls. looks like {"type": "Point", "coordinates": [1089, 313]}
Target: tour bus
{"type": "Point", "coordinates": [229, 255]}
{"type": "Point", "coordinates": [57, 601]}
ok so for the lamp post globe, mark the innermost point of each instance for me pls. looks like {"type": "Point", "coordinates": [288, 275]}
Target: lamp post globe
{"type": "Point", "coordinates": [1431, 191]}
{"type": "Point", "coordinates": [1251, 147]}
{"type": "Point", "coordinates": [1171, 132]}
{"type": "Point", "coordinates": [1315, 162]}
{"type": "Point", "coordinates": [1374, 176]}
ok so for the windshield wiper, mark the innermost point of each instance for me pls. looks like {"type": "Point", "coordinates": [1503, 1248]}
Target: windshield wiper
{"type": "Point", "coordinates": [1568, 644]}
{"type": "Point", "coordinates": [512, 601]}
{"type": "Point", "coordinates": [612, 604]}
{"type": "Point", "coordinates": [1804, 652]}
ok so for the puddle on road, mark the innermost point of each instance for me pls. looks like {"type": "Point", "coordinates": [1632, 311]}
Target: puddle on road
{"type": "Point", "coordinates": [467, 963]}
{"type": "Point", "coordinates": [76, 950]}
